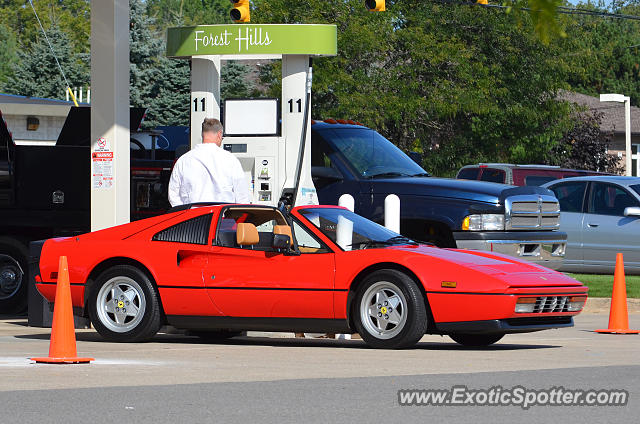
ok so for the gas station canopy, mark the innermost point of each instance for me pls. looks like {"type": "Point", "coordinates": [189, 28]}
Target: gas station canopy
{"type": "Point", "coordinates": [251, 40]}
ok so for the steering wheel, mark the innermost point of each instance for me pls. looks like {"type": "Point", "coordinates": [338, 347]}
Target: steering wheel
{"type": "Point", "coordinates": [138, 144]}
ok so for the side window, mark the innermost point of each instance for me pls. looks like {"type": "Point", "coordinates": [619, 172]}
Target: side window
{"type": "Point", "coordinates": [570, 195]}
{"type": "Point", "coordinates": [307, 242]}
{"type": "Point", "coordinates": [192, 231]}
{"type": "Point", "coordinates": [323, 170]}
{"type": "Point", "coordinates": [264, 219]}
{"type": "Point", "coordinates": [320, 153]}
{"type": "Point", "coordinates": [468, 174]}
{"type": "Point", "coordinates": [493, 175]}
{"type": "Point", "coordinates": [609, 199]}
{"type": "Point", "coordinates": [537, 180]}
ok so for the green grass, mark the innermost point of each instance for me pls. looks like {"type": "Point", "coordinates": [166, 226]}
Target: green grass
{"type": "Point", "coordinates": [601, 285]}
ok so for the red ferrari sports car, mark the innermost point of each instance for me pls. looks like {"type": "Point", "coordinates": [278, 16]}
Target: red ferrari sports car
{"type": "Point", "coordinates": [217, 270]}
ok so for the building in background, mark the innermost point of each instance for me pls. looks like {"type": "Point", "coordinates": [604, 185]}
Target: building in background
{"type": "Point", "coordinates": [33, 120]}
{"type": "Point", "coordinates": [613, 123]}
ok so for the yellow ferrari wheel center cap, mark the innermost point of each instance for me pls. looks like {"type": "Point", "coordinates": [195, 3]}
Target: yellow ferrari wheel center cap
{"type": "Point", "coordinates": [121, 304]}
{"type": "Point", "coordinates": [383, 310]}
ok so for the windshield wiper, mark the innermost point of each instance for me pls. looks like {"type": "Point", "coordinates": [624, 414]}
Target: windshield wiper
{"type": "Point", "coordinates": [370, 243]}
{"type": "Point", "coordinates": [390, 242]}
{"type": "Point", "coordinates": [401, 240]}
{"type": "Point", "coordinates": [422, 174]}
{"type": "Point", "coordinates": [389, 174]}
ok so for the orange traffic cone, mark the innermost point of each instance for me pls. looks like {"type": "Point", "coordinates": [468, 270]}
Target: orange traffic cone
{"type": "Point", "coordinates": [618, 316]}
{"type": "Point", "coordinates": [62, 347]}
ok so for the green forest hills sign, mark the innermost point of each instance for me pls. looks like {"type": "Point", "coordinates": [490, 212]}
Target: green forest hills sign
{"type": "Point", "coordinates": [246, 39]}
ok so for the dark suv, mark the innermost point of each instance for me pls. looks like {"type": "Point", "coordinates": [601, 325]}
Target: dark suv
{"type": "Point", "coordinates": [518, 221]}
{"type": "Point", "coordinates": [520, 175]}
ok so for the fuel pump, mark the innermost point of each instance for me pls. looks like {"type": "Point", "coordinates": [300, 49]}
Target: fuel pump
{"type": "Point", "coordinates": [270, 137]}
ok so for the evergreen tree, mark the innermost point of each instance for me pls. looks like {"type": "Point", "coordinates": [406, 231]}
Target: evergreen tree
{"type": "Point", "coordinates": [163, 85]}
{"type": "Point", "coordinates": [37, 74]}
{"type": "Point", "coordinates": [160, 84]}
{"type": "Point", "coordinates": [8, 52]}
{"type": "Point", "coordinates": [235, 83]}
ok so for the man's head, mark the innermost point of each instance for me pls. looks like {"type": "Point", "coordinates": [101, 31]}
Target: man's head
{"type": "Point", "coordinates": [212, 131]}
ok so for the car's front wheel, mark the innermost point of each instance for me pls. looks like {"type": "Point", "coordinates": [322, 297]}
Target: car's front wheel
{"type": "Point", "coordinates": [476, 340]}
{"type": "Point", "coordinates": [389, 310]}
{"type": "Point", "coordinates": [124, 305]}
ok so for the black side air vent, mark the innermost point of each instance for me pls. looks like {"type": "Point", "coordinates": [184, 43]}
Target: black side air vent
{"type": "Point", "coordinates": [193, 231]}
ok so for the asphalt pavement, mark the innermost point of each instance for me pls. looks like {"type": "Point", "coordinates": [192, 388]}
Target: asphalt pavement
{"type": "Point", "coordinates": [275, 378]}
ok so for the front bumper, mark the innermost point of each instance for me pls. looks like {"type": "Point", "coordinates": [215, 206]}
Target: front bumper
{"type": "Point", "coordinates": [505, 326]}
{"type": "Point", "coordinates": [546, 248]}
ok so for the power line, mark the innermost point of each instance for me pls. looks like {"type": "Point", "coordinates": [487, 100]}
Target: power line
{"type": "Point", "coordinates": [560, 9]}
{"type": "Point", "coordinates": [53, 53]}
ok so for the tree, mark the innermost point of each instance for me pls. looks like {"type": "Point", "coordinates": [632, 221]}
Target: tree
{"type": "Point", "coordinates": [36, 72]}
{"type": "Point", "coordinates": [8, 52]}
{"type": "Point", "coordinates": [460, 84]}
{"type": "Point", "coordinates": [585, 146]}
{"type": "Point", "coordinates": [156, 82]}
{"type": "Point", "coordinates": [161, 84]}
{"type": "Point", "coordinates": [188, 12]}
{"type": "Point", "coordinates": [604, 53]}
{"type": "Point", "coordinates": [72, 17]}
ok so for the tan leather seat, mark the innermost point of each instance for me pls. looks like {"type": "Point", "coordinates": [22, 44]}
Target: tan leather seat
{"type": "Point", "coordinates": [247, 234]}
{"type": "Point", "coordinates": [285, 230]}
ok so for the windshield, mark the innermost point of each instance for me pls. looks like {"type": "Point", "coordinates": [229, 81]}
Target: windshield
{"type": "Point", "coordinates": [372, 155]}
{"type": "Point", "coordinates": [351, 231]}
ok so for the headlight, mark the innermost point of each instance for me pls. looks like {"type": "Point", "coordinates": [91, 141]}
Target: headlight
{"type": "Point", "coordinates": [576, 303]}
{"type": "Point", "coordinates": [484, 222]}
{"type": "Point", "coordinates": [526, 305]}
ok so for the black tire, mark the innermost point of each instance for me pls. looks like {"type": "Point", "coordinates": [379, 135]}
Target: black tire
{"type": "Point", "coordinates": [476, 340]}
{"type": "Point", "coordinates": [139, 328]}
{"type": "Point", "coordinates": [14, 277]}
{"type": "Point", "coordinates": [408, 331]}
{"type": "Point", "coordinates": [215, 335]}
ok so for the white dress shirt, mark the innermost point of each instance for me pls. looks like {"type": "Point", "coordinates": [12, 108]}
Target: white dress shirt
{"type": "Point", "coordinates": [208, 173]}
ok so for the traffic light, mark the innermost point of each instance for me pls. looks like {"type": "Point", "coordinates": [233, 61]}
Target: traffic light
{"type": "Point", "coordinates": [240, 11]}
{"type": "Point", "coordinates": [375, 5]}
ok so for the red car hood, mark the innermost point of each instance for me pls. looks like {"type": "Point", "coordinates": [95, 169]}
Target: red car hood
{"type": "Point", "coordinates": [515, 272]}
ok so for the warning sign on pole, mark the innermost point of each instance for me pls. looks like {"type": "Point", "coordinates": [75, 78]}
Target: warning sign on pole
{"type": "Point", "coordinates": [102, 165]}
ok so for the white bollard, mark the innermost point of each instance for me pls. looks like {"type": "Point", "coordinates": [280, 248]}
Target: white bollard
{"type": "Point", "coordinates": [392, 213]}
{"type": "Point", "coordinates": [346, 201]}
{"type": "Point", "coordinates": [344, 232]}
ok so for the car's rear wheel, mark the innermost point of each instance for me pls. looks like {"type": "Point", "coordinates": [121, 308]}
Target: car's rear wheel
{"type": "Point", "coordinates": [476, 340]}
{"type": "Point", "coordinates": [124, 305]}
{"type": "Point", "coordinates": [13, 278]}
{"type": "Point", "coordinates": [389, 310]}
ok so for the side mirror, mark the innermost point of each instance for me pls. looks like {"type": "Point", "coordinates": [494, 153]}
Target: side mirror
{"type": "Point", "coordinates": [281, 242]}
{"type": "Point", "coordinates": [325, 173]}
{"type": "Point", "coordinates": [632, 211]}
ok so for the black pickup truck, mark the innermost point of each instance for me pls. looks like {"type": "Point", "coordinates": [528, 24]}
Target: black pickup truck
{"type": "Point", "coordinates": [45, 193]}
{"type": "Point", "coordinates": [518, 221]}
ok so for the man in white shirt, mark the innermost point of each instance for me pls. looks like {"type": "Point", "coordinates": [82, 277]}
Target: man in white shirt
{"type": "Point", "coordinates": [208, 173]}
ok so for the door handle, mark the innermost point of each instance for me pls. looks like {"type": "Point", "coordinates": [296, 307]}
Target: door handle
{"type": "Point", "coordinates": [592, 225]}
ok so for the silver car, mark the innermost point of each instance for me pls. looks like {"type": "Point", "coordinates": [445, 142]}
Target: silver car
{"type": "Point", "coordinates": [601, 216]}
